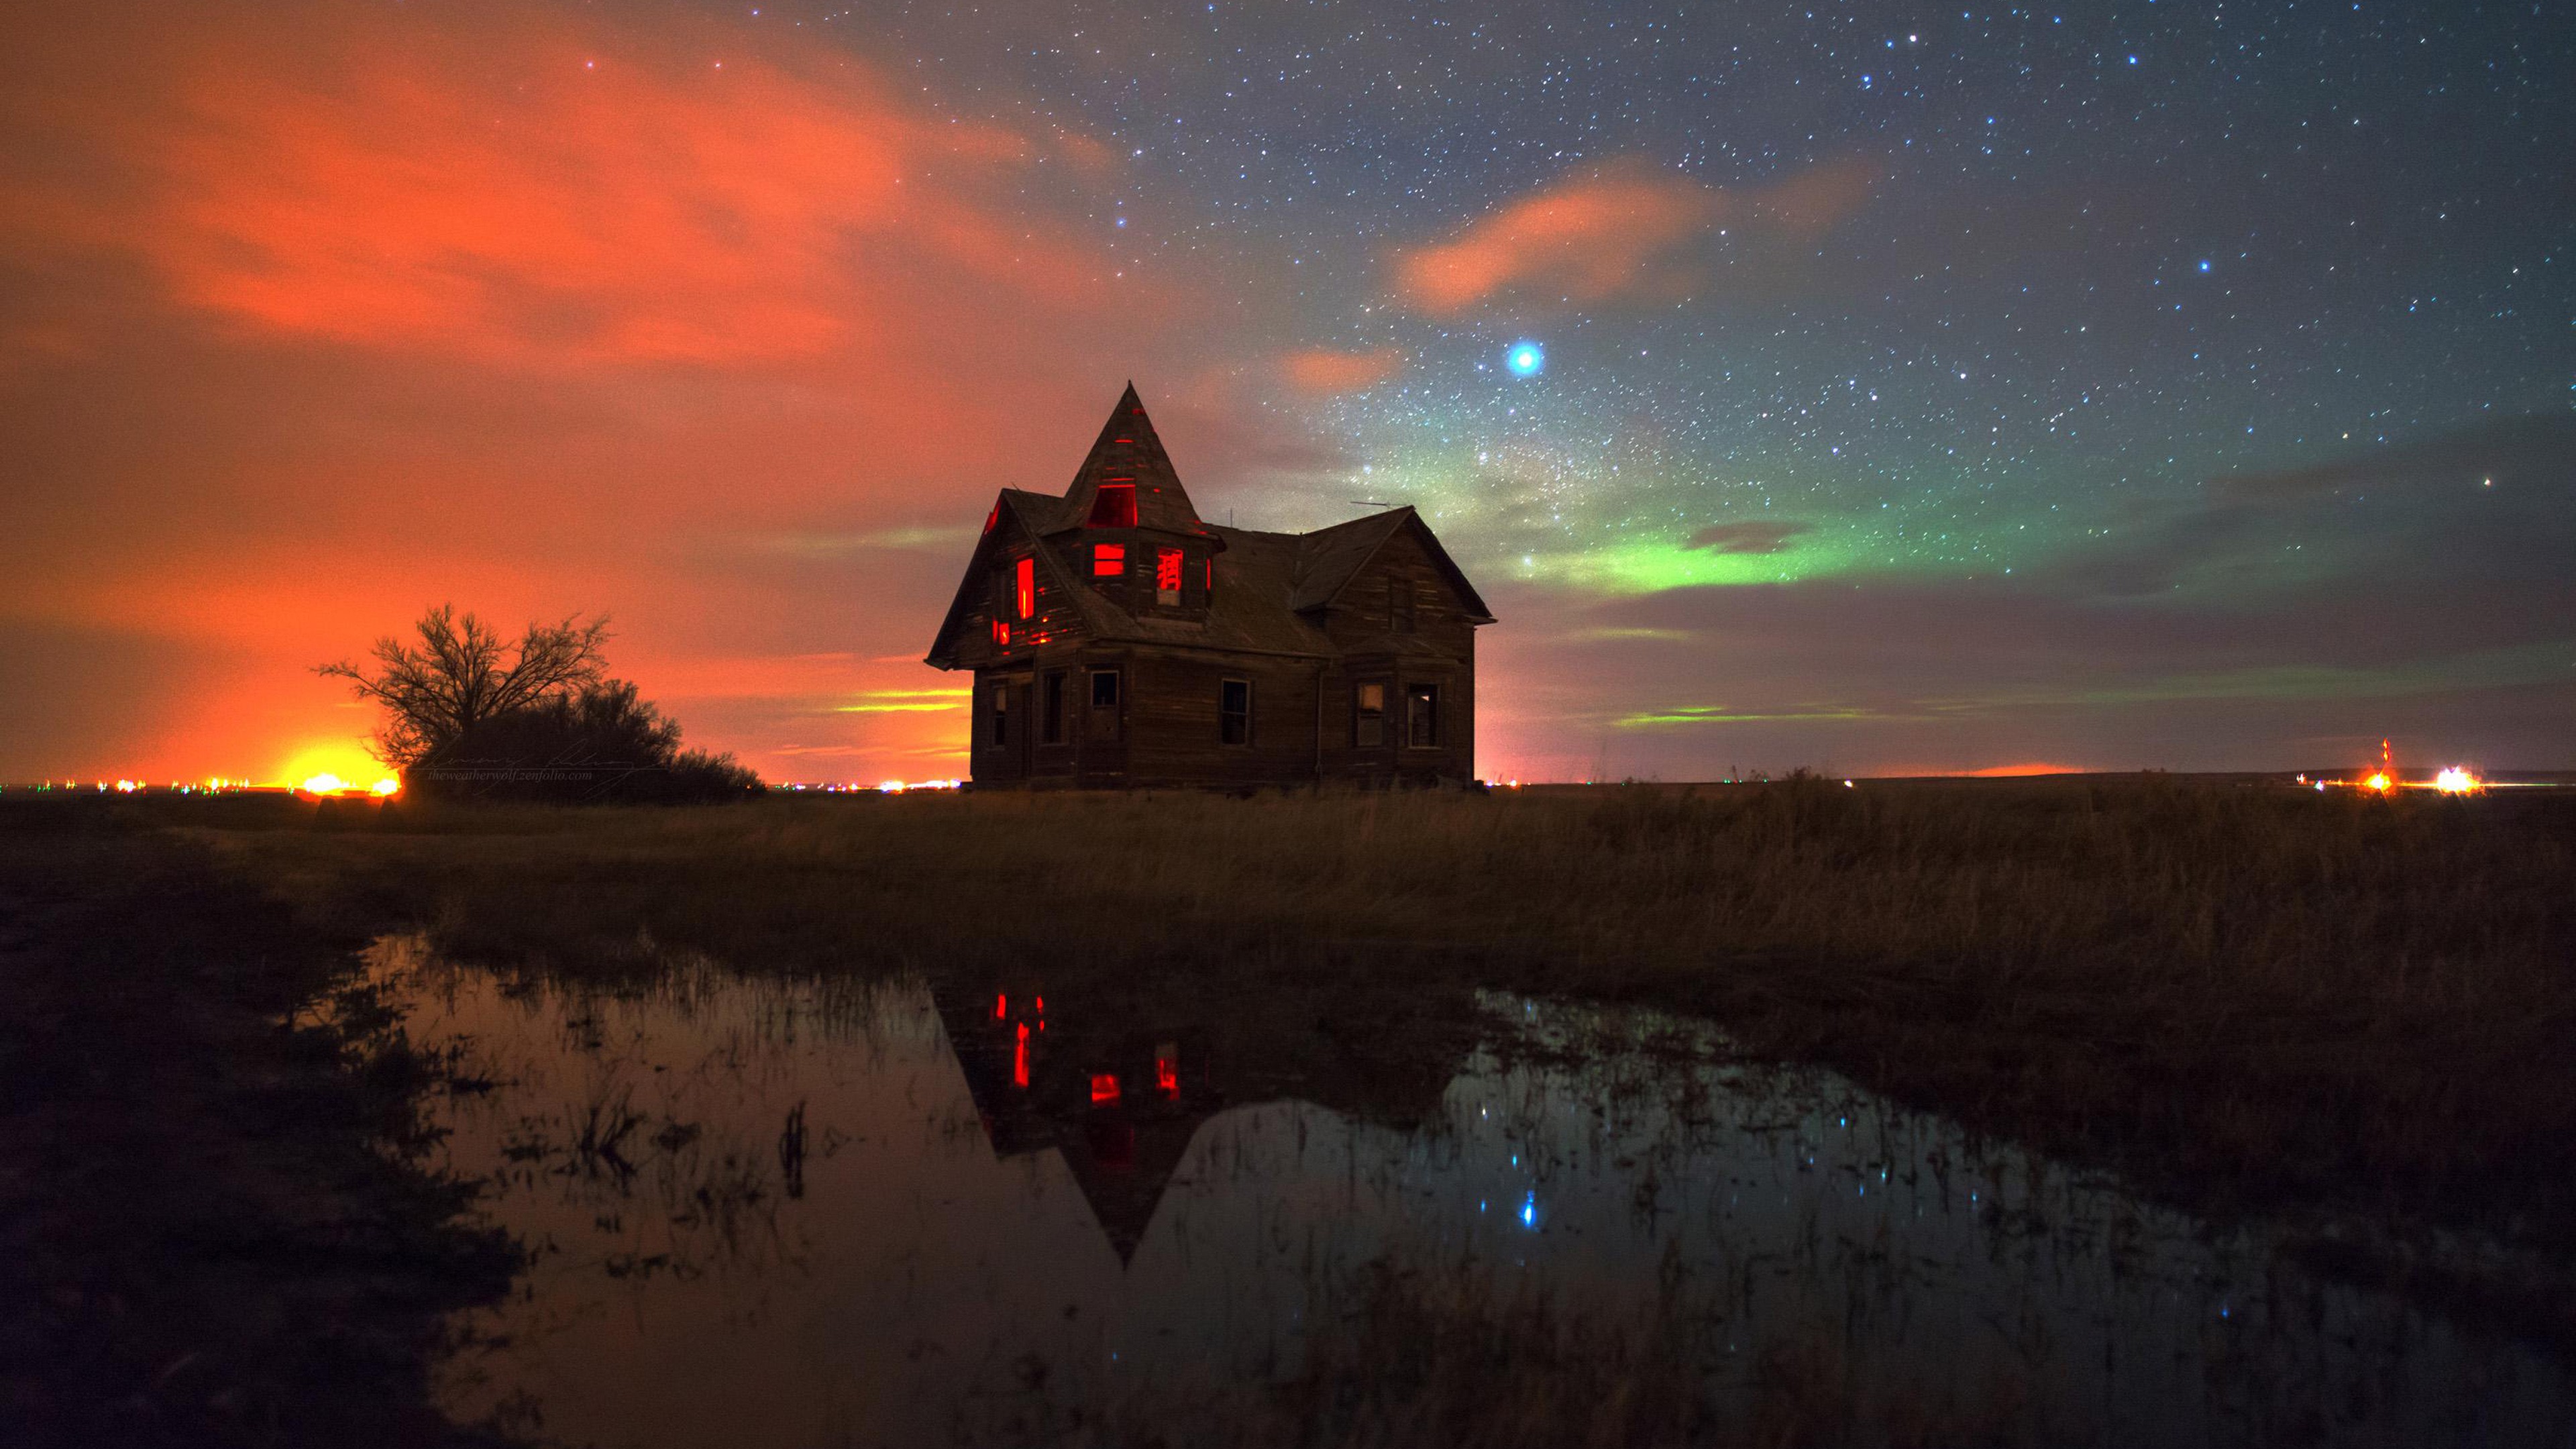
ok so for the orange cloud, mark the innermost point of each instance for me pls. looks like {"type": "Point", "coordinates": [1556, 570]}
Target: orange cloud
{"type": "Point", "coordinates": [1615, 232]}
{"type": "Point", "coordinates": [326, 316]}
{"type": "Point", "coordinates": [543, 191]}
{"type": "Point", "coordinates": [1320, 370]}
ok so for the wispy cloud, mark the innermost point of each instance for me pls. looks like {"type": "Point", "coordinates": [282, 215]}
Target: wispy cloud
{"type": "Point", "coordinates": [1323, 371]}
{"type": "Point", "coordinates": [1625, 229]}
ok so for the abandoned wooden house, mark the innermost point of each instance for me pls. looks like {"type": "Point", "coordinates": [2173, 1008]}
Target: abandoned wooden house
{"type": "Point", "coordinates": [1116, 639]}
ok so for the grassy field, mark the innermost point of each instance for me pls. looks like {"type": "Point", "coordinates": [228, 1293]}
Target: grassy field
{"type": "Point", "coordinates": [2244, 998]}
{"type": "Point", "coordinates": [2237, 993]}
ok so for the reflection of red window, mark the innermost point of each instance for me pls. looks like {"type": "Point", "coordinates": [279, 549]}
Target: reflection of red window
{"type": "Point", "coordinates": [1024, 590]}
{"type": "Point", "coordinates": [1108, 560]}
{"type": "Point", "coordinates": [1001, 631]}
{"type": "Point", "coordinates": [1115, 505]}
{"type": "Point", "coordinates": [1104, 1087]}
{"type": "Point", "coordinates": [1167, 576]}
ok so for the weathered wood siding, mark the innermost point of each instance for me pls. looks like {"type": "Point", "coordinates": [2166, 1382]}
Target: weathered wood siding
{"type": "Point", "coordinates": [1367, 621]}
{"type": "Point", "coordinates": [1177, 730]}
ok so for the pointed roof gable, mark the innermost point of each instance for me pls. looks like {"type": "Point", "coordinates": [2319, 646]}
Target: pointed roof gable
{"type": "Point", "coordinates": [1331, 557]}
{"type": "Point", "coordinates": [1129, 452]}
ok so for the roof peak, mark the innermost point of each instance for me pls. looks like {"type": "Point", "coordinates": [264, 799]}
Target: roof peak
{"type": "Point", "coordinates": [1128, 458]}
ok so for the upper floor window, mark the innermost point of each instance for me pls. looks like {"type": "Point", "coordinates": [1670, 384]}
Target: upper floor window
{"type": "Point", "coordinates": [1114, 506]}
{"type": "Point", "coordinates": [1167, 577]}
{"type": "Point", "coordinates": [1422, 715]}
{"type": "Point", "coordinates": [1234, 712]}
{"type": "Point", "coordinates": [1104, 689]}
{"type": "Point", "coordinates": [1024, 587]}
{"type": "Point", "coordinates": [1108, 560]}
{"type": "Point", "coordinates": [1399, 605]}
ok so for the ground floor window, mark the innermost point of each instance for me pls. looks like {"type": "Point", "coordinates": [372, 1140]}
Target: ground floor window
{"type": "Point", "coordinates": [1422, 715]}
{"type": "Point", "coordinates": [1234, 712]}
{"type": "Point", "coordinates": [1051, 710]}
{"type": "Point", "coordinates": [1104, 704]}
{"type": "Point", "coordinates": [1368, 723]}
{"type": "Point", "coordinates": [1001, 715]}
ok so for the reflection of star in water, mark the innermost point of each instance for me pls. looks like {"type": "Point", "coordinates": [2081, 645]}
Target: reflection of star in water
{"type": "Point", "coordinates": [1525, 358]}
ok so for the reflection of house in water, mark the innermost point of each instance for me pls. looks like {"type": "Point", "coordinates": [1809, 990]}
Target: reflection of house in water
{"type": "Point", "coordinates": [1122, 1098]}
{"type": "Point", "coordinates": [1121, 1106]}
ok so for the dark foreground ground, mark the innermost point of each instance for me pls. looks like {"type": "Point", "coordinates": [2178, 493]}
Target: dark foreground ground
{"type": "Point", "coordinates": [202, 1238]}
{"type": "Point", "coordinates": [2327, 1009]}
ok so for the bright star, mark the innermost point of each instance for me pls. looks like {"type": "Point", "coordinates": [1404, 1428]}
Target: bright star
{"type": "Point", "coordinates": [1525, 359]}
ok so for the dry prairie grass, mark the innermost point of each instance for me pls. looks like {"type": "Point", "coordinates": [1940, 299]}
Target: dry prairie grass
{"type": "Point", "coordinates": [2241, 996]}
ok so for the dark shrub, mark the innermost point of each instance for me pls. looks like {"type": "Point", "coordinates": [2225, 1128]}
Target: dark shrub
{"type": "Point", "coordinates": [603, 745]}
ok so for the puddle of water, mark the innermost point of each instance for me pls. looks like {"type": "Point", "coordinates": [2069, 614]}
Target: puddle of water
{"type": "Point", "coordinates": [842, 1212]}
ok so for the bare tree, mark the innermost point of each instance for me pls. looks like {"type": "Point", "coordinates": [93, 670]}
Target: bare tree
{"type": "Point", "coordinates": [456, 678]}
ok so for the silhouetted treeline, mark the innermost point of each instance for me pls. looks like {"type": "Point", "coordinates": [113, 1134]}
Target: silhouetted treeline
{"type": "Point", "coordinates": [600, 745]}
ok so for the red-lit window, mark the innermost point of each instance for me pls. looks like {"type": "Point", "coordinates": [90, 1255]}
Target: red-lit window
{"type": "Point", "coordinates": [1167, 1069]}
{"type": "Point", "coordinates": [992, 518]}
{"type": "Point", "coordinates": [1115, 505]}
{"type": "Point", "coordinates": [1024, 587]}
{"type": "Point", "coordinates": [1108, 560]}
{"type": "Point", "coordinates": [1104, 1087]}
{"type": "Point", "coordinates": [1167, 576]}
{"type": "Point", "coordinates": [1020, 1058]}
{"type": "Point", "coordinates": [1002, 632]}
{"type": "Point", "coordinates": [1001, 1006]}
{"type": "Point", "coordinates": [1211, 576]}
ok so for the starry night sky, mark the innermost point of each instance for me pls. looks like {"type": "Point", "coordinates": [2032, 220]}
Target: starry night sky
{"type": "Point", "coordinates": [1922, 389]}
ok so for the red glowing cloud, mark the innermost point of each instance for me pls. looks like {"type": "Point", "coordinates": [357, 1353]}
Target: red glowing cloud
{"type": "Point", "coordinates": [1623, 230]}
{"type": "Point", "coordinates": [334, 317]}
{"type": "Point", "coordinates": [551, 192]}
{"type": "Point", "coordinates": [1321, 371]}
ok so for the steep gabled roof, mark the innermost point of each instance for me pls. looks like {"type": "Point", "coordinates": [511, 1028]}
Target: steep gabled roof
{"type": "Point", "coordinates": [1019, 516]}
{"type": "Point", "coordinates": [1332, 557]}
{"type": "Point", "coordinates": [1269, 586]}
{"type": "Point", "coordinates": [1128, 451]}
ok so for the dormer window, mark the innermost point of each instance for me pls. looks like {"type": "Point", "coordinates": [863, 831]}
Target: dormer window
{"type": "Point", "coordinates": [1108, 560]}
{"type": "Point", "coordinates": [1114, 506]}
{"type": "Point", "coordinates": [1167, 577]}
